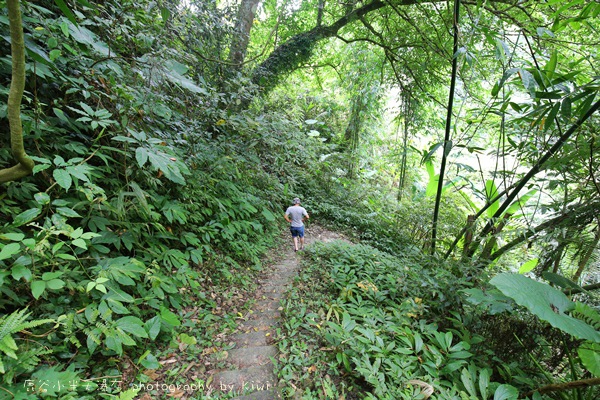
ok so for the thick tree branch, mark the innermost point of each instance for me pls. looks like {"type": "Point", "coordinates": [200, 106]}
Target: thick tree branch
{"type": "Point", "coordinates": [533, 171]}
{"type": "Point", "coordinates": [571, 291]}
{"type": "Point", "coordinates": [298, 49]}
{"type": "Point", "coordinates": [575, 216]}
{"type": "Point", "coordinates": [563, 386]}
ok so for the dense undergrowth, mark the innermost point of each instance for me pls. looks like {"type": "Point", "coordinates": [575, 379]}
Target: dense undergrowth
{"type": "Point", "coordinates": [362, 323]}
{"type": "Point", "coordinates": [383, 319]}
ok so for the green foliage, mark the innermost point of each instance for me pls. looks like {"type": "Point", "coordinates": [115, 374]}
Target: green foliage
{"type": "Point", "coordinates": [26, 360]}
{"type": "Point", "coordinates": [547, 303]}
{"type": "Point", "coordinates": [374, 314]}
{"type": "Point", "coordinates": [360, 322]}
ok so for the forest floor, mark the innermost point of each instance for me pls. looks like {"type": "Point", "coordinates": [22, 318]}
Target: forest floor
{"type": "Point", "coordinates": [239, 365]}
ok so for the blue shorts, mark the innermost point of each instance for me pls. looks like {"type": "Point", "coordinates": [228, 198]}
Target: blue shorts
{"type": "Point", "coordinates": [297, 231]}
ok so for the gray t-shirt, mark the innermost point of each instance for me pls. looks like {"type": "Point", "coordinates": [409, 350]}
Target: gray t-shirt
{"type": "Point", "coordinates": [296, 213]}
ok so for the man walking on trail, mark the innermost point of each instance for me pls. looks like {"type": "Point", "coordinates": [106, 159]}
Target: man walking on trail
{"type": "Point", "coordinates": [295, 215]}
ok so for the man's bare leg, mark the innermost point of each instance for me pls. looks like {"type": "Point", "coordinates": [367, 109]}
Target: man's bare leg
{"type": "Point", "coordinates": [295, 243]}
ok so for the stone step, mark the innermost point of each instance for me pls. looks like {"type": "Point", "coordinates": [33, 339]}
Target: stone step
{"type": "Point", "coordinates": [261, 395]}
{"type": "Point", "coordinates": [259, 323]}
{"type": "Point", "coordinates": [252, 379]}
{"type": "Point", "coordinates": [282, 272]}
{"type": "Point", "coordinates": [274, 293]}
{"type": "Point", "coordinates": [277, 283]}
{"type": "Point", "coordinates": [252, 338]}
{"type": "Point", "coordinates": [268, 308]}
{"type": "Point", "coordinates": [249, 356]}
{"type": "Point", "coordinates": [267, 305]}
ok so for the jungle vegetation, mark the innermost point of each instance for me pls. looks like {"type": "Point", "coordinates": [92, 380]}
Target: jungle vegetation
{"type": "Point", "coordinates": [149, 147]}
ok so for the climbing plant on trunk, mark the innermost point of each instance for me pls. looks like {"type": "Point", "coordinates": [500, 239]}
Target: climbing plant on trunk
{"type": "Point", "coordinates": [24, 164]}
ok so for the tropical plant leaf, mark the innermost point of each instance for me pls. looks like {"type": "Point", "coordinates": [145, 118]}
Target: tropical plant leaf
{"type": "Point", "coordinates": [9, 250]}
{"type": "Point", "coordinates": [528, 266]}
{"type": "Point", "coordinates": [560, 280]}
{"type": "Point", "coordinates": [589, 353]}
{"type": "Point", "coordinates": [26, 216]}
{"type": "Point", "coordinates": [506, 392]}
{"type": "Point", "coordinates": [548, 303]}
{"type": "Point", "coordinates": [66, 10]}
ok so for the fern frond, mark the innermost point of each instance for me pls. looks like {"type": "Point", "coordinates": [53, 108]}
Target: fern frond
{"type": "Point", "coordinates": [27, 363]}
{"type": "Point", "coordinates": [33, 324]}
{"type": "Point", "coordinates": [8, 346]}
{"type": "Point", "coordinates": [74, 341]}
{"type": "Point", "coordinates": [12, 323]}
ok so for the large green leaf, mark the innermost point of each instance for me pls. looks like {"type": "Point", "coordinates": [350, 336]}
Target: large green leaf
{"type": "Point", "coordinates": [528, 266]}
{"type": "Point", "coordinates": [87, 37]}
{"type": "Point", "coordinates": [175, 72]}
{"type": "Point", "coordinates": [63, 178]}
{"type": "Point", "coordinates": [169, 317]}
{"type": "Point", "coordinates": [560, 281]}
{"type": "Point", "coordinates": [548, 303]}
{"type": "Point", "coordinates": [66, 10]}
{"type": "Point", "coordinates": [589, 353]}
{"type": "Point", "coordinates": [434, 178]}
{"type": "Point", "coordinates": [15, 237]}
{"type": "Point", "coordinates": [518, 204]}
{"type": "Point", "coordinates": [133, 325]}
{"type": "Point", "coordinates": [37, 288]}
{"type": "Point", "coordinates": [506, 392]}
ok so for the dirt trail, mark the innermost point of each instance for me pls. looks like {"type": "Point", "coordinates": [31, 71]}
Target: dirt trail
{"type": "Point", "coordinates": [249, 371]}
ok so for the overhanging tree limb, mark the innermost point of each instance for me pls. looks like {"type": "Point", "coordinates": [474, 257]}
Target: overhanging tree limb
{"type": "Point", "coordinates": [24, 164]}
{"type": "Point", "coordinates": [289, 55]}
{"type": "Point", "coordinates": [574, 216]}
{"type": "Point", "coordinates": [557, 387]}
{"type": "Point", "coordinates": [297, 49]}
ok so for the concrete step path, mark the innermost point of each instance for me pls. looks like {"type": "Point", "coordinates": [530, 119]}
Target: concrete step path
{"type": "Point", "coordinates": [249, 373]}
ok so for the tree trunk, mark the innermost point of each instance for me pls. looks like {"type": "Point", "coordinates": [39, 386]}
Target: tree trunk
{"type": "Point", "coordinates": [468, 234]}
{"type": "Point", "coordinates": [447, 143]}
{"type": "Point", "coordinates": [493, 240]}
{"type": "Point", "coordinates": [25, 164]}
{"type": "Point", "coordinates": [241, 37]}
{"type": "Point", "coordinates": [320, 12]}
{"type": "Point", "coordinates": [352, 135]}
{"type": "Point", "coordinates": [407, 96]}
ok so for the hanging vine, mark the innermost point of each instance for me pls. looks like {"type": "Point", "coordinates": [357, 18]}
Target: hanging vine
{"type": "Point", "coordinates": [24, 164]}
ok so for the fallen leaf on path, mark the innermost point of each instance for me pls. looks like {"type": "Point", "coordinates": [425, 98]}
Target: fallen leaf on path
{"type": "Point", "coordinates": [150, 373]}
